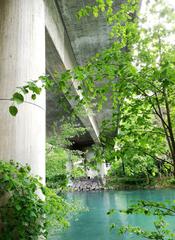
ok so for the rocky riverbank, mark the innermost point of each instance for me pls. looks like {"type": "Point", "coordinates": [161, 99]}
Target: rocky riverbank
{"type": "Point", "coordinates": [83, 185]}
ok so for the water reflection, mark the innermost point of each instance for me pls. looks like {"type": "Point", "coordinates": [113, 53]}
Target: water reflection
{"type": "Point", "coordinates": [94, 224]}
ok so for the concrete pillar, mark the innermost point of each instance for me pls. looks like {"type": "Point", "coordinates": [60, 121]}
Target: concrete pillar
{"type": "Point", "coordinates": [22, 58]}
{"type": "Point", "coordinates": [91, 173]}
{"type": "Point", "coordinates": [102, 171]}
{"type": "Point", "coordinates": [69, 168]}
{"type": "Point", "coordinates": [101, 167]}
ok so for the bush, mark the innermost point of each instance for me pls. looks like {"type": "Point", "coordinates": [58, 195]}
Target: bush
{"type": "Point", "coordinates": [59, 180]}
{"type": "Point", "coordinates": [24, 214]}
{"type": "Point", "coordinates": [56, 175]}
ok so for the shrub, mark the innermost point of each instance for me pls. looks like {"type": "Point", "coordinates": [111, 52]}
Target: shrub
{"type": "Point", "coordinates": [24, 214]}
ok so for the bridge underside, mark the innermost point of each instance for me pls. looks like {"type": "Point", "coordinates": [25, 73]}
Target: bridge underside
{"type": "Point", "coordinates": [25, 55]}
{"type": "Point", "coordinates": [70, 42]}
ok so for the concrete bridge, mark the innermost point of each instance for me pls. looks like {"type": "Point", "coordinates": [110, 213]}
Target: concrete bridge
{"type": "Point", "coordinates": [38, 37]}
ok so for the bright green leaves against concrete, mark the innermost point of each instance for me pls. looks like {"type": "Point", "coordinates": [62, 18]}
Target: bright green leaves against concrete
{"type": "Point", "coordinates": [13, 110]}
{"type": "Point", "coordinates": [33, 88]}
{"type": "Point", "coordinates": [140, 85]}
{"type": "Point", "coordinates": [99, 6]}
{"type": "Point", "coordinates": [18, 98]}
{"type": "Point", "coordinates": [136, 74]}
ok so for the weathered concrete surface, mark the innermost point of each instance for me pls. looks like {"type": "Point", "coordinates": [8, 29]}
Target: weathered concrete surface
{"type": "Point", "coordinates": [69, 42]}
{"type": "Point", "coordinates": [101, 170]}
{"type": "Point", "coordinates": [60, 56]}
{"type": "Point", "coordinates": [88, 35]}
{"type": "Point", "coordinates": [22, 58]}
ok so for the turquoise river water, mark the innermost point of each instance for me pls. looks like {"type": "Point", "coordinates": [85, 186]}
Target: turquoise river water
{"type": "Point", "coordinates": [94, 224]}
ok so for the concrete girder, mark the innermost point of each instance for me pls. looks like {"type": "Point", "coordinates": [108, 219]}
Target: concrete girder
{"type": "Point", "coordinates": [62, 57]}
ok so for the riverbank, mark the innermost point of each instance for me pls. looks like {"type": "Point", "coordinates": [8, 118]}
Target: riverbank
{"type": "Point", "coordinates": [86, 185]}
{"type": "Point", "coordinates": [127, 183]}
{"type": "Point", "coordinates": [122, 183]}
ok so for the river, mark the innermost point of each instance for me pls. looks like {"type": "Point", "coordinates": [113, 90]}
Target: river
{"type": "Point", "coordinates": [94, 224]}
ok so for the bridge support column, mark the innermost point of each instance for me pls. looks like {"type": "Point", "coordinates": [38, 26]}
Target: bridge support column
{"type": "Point", "coordinates": [69, 168]}
{"type": "Point", "coordinates": [22, 58]}
{"type": "Point", "coordinates": [101, 167]}
{"type": "Point", "coordinates": [102, 171]}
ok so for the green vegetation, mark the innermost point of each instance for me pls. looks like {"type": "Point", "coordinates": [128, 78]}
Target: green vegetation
{"type": "Point", "coordinates": [59, 154]}
{"type": "Point", "coordinates": [158, 209]}
{"type": "Point", "coordinates": [136, 74]}
{"type": "Point", "coordinates": [132, 183]}
{"type": "Point", "coordinates": [56, 174]}
{"type": "Point", "coordinates": [24, 213]}
{"type": "Point", "coordinates": [27, 208]}
{"type": "Point", "coordinates": [139, 75]}
{"type": "Point", "coordinates": [160, 229]}
{"type": "Point", "coordinates": [141, 86]}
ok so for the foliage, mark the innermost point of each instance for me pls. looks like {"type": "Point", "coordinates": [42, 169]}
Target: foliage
{"type": "Point", "coordinates": [33, 88]}
{"type": "Point", "coordinates": [24, 214]}
{"type": "Point", "coordinates": [22, 211]}
{"type": "Point", "coordinates": [56, 175]}
{"type": "Point", "coordinates": [144, 168]}
{"type": "Point", "coordinates": [138, 83]}
{"type": "Point", "coordinates": [160, 230]}
{"type": "Point", "coordinates": [136, 74]}
{"type": "Point", "coordinates": [59, 154]}
{"type": "Point", "coordinates": [59, 211]}
{"type": "Point", "coordinates": [69, 130]}
{"type": "Point", "coordinates": [159, 209]}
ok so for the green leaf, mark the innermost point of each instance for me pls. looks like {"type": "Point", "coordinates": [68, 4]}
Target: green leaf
{"type": "Point", "coordinates": [34, 88]}
{"type": "Point", "coordinates": [111, 211]}
{"type": "Point", "coordinates": [112, 226]}
{"type": "Point", "coordinates": [13, 110]}
{"type": "Point", "coordinates": [33, 96]}
{"type": "Point", "coordinates": [18, 207]}
{"type": "Point", "coordinates": [18, 98]}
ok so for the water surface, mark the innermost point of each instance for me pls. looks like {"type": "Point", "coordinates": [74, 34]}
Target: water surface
{"type": "Point", "coordinates": [95, 223]}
